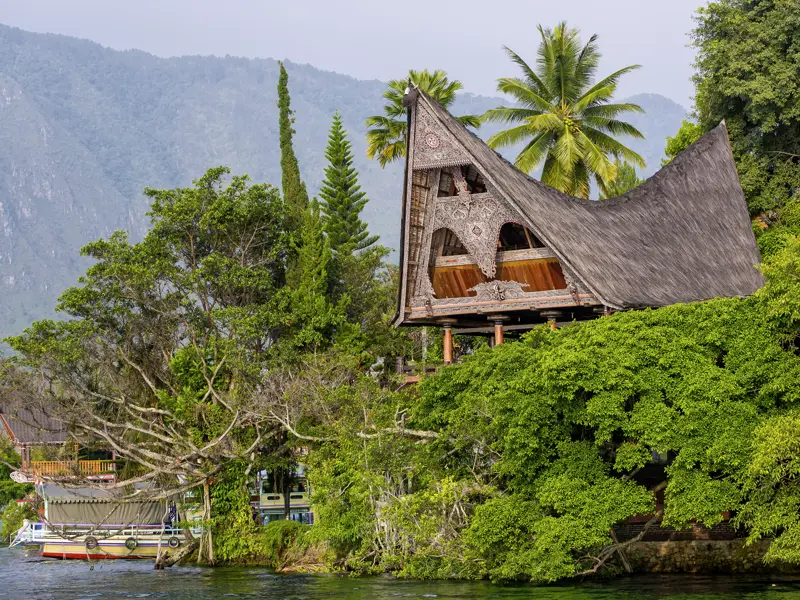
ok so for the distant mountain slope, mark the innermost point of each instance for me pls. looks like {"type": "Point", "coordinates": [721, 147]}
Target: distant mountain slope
{"type": "Point", "coordinates": [83, 129]}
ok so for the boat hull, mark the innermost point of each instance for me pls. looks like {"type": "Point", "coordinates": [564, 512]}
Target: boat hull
{"type": "Point", "coordinates": [84, 541]}
{"type": "Point", "coordinates": [105, 550]}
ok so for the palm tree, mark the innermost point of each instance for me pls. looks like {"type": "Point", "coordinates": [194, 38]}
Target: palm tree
{"type": "Point", "coordinates": [386, 133]}
{"type": "Point", "coordinates": [565, 117]}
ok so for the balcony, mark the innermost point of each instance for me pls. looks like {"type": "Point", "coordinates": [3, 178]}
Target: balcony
{"type": "Point", "coordinates": [101, 469]}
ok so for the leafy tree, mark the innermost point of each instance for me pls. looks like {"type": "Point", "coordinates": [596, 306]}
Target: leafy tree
{"type": "Point", "coordinates": [169, 337]}
{"type": "Point", "coordinates": [9, 490]}
{"type": "Point", "coordinates": [343, 199]}
{"type": "Point", "coordinates": [626, 180]}
{"type": "Point", "coordinates": [295, 196]}
{"type": "Point", "coordinates": [687, 135]}
{"type": "Point", "coordinates": [748, 58]}
{"type": "Point", "coordinates": [386, 134]}
{"type": "Point", "coordinates": [564, 116]}
{"type": "Point", "coordinates": [12, 516]}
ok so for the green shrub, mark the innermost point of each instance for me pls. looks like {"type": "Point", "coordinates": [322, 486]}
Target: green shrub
{"type": "Point", "coordinates": [12, 517]}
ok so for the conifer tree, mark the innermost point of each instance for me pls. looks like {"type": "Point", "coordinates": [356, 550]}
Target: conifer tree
{"type": "Point", "coordinates": [342, 195]}
{"type": "Point", "coordinates": [316, 316]}
{"type": "Point", "coordinates": [295, 196]}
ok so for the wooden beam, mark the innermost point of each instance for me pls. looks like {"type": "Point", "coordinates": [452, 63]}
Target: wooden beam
{"type": "Point", "coordinates": [490, 330]}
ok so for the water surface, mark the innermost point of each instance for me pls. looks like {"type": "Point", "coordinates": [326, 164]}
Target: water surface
{"type": "Point", "coordinates": [25, 576]}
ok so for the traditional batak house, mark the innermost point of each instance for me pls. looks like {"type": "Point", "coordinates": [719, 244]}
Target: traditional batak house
{"type": "Point", "coordinates": [486, 248]}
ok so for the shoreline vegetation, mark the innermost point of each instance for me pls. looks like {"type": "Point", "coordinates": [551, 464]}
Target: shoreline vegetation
{"type": "Point", "coordinates": [249, 331]}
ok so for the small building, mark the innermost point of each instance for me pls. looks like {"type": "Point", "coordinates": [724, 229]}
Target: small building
{"type": "Point", "coordinates": [32, 432]}
{"type": "Point", "coordinates": [28, 429]}
{"type": "Point", "coordinates": [485, 248]}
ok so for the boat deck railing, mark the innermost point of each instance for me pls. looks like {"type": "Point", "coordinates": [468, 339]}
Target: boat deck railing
{"type": "Point", "coordinates": [34, 533]}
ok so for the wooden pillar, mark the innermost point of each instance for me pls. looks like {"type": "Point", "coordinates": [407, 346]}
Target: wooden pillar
{"type": "Point", "coordinates": [498, 327]}
{"type": "Point", "coordinates": [498, 332]}
{"type": "Point", "coordinates": [447, 334]}
{"type": "Point", "coordinates": [448, 344]}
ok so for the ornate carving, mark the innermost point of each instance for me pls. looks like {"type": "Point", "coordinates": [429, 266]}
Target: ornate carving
{"type": "Point", "coordinates": [476, 219]}
{"type": "Point", "coordinates": [573, 284]}
{"type": "Point", "coordinates": [422, 290]}
{"type": "Point", "coordinates": [462, 189]}
{"type": "Point", "coordinates": [499, 290]}
{"type": "Point", "coordinates": [433, 146]}
{"type": "Point", "coordinates": [424, 296]}
{"type": "Point", "coordinates": [527, 300]}
{"type": "Point", "coordinates": [432, 140]}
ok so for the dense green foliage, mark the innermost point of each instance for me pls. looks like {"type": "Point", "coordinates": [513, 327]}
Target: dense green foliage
{"type": "Point", "coordinates": [540, 446]}
{"type": "Point", "coordinates": [9, 490]}
{"type": "Point", "coordinates": [626, 180]}
{"type": "Point", "coordinates": [687, 135]}
{"type": "Point", "coordinates": [747, 66]}
{"type": "Point", "coordinates": [563, 116]}
{"type": "Point", "coordinates": [343, 198]}
{"type": "Point", "coordinates": [12, 516]}
{"type": "Point", "coordinates": [386, 133]}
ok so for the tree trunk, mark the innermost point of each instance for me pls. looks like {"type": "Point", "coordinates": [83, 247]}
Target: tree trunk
{"type": "Point", "coordinates": [170, 559]}
{"type": "Point", "coordinates": [207, 524]}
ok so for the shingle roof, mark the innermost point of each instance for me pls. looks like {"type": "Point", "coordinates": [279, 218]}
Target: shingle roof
{"type": "Point", "coordinates": [30, 427]}
{"type": "Point", "coordinates": [681, 236]}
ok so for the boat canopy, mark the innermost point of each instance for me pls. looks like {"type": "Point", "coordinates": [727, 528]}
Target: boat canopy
{"type": "Point", "coordinates": [90, 506]}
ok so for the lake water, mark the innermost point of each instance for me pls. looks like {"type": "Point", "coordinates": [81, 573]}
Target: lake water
{"type": "Point", "coordinates": [24, 576]}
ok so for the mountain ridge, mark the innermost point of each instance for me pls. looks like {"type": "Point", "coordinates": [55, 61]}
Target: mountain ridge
{"type": "Point", "coordinates": [85, 128]}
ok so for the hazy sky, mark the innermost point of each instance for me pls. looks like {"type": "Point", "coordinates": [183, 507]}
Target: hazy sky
{"type": "Point", "coordinates": [382, 40]}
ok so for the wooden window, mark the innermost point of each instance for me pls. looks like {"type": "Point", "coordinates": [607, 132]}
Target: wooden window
{"type": "Point", "coordinates": [514, 236]}
{"type": "Point", "coordinates": [447, 187]}
{"type": "Point", "coordinates": [475, 181]}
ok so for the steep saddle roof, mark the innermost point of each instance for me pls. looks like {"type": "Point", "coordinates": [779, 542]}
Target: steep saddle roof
{"type": "Point", "coordinates": [683, 235]}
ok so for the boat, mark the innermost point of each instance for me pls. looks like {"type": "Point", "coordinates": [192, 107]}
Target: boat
{"type": "Point", "coordinates": [88, 542]}
{"type": "Point", "coordinates": [95, 524]}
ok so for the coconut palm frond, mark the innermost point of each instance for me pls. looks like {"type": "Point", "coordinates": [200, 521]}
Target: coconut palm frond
{"type": "Point", "coordinates": [611, 111]}
{"type": "Point", "coordinates": [470, 121]}
{"type": "Point", "coordinates": [523, 93]}
{"type": "Point", "coordinates": [506, 114]}
{"type": "Point", "coordinates": [613, 147]}
{"type": "Point", "coordinates": [534, 152]}
{"type": "Point", "coordinates": [614, 127]}
{"type": "Point", "coordinates": [509, 137]}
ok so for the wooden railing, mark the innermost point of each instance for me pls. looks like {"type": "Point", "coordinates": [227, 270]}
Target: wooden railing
{"type": "Point", "coordinates": [54, 468]}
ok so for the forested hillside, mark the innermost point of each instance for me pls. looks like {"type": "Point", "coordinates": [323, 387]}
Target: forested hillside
{"type": "Point", "coordinates": [83, 129]}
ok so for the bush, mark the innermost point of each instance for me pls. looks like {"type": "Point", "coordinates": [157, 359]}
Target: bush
{"type": "Point", "coordinates": [12, 517]}
{"type": "Point", "coordinates": [279, 538]}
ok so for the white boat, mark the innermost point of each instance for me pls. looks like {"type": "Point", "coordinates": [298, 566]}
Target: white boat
{"type": "Point", "coordinates": [95, 524]}
{"type": "Point", "coordinates": [85, 541]}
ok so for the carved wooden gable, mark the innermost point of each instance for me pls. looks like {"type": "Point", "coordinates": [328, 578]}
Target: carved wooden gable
{"type": "Point", "coordinates": [433, 147]}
